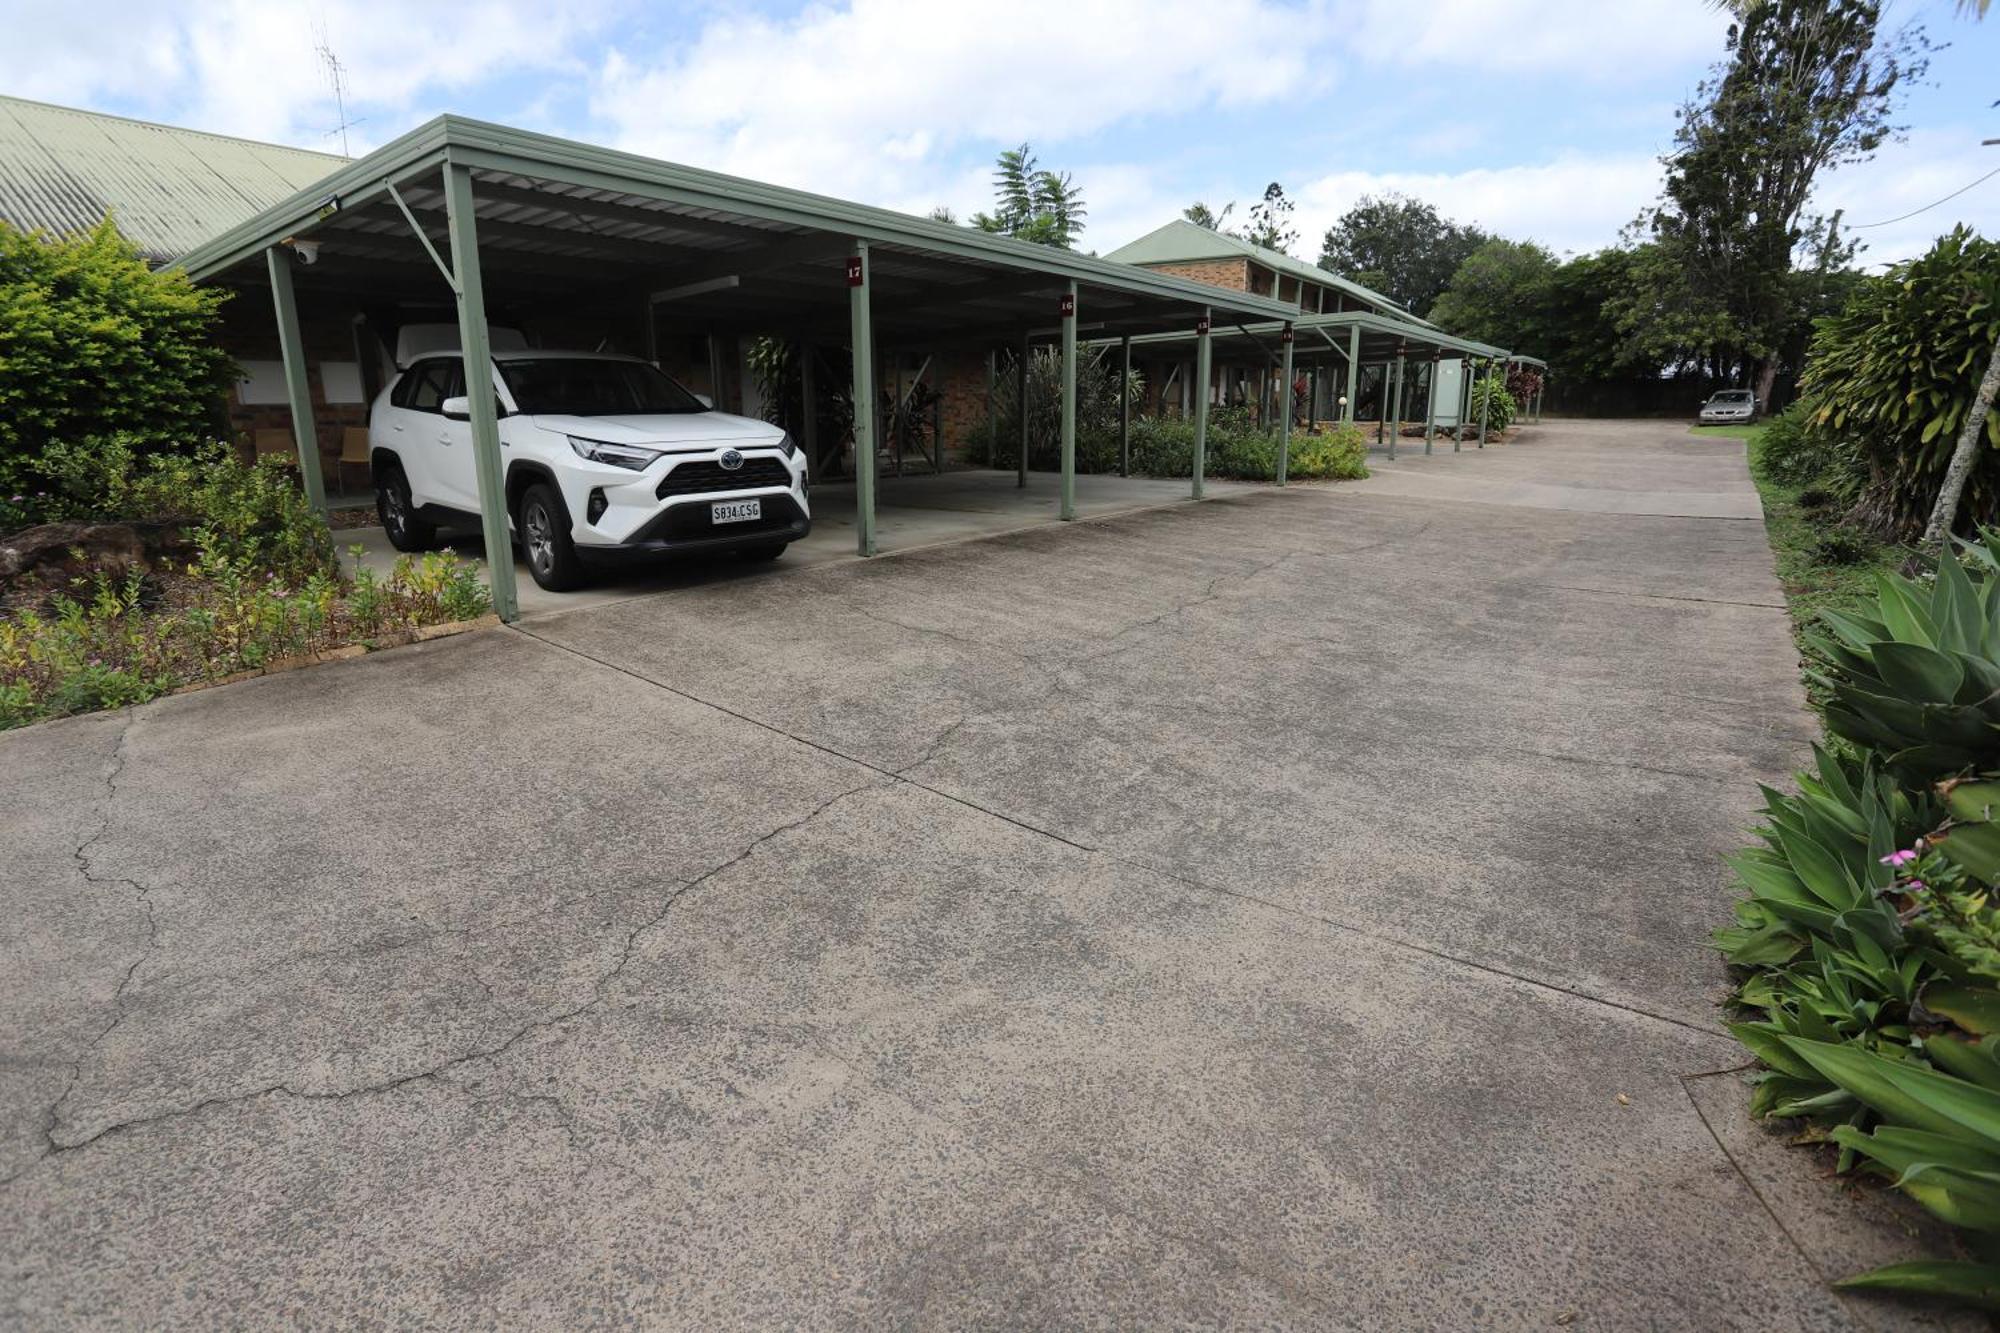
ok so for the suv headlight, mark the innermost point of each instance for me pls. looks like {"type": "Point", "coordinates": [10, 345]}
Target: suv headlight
{"type": "Point", "coordinates": [627, 456]}
{"type": "Point", "coordinates": [787, 445]}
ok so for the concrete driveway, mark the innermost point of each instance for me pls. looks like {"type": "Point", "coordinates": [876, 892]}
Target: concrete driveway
{"type": "Point", "coordinates": [1285, 910]}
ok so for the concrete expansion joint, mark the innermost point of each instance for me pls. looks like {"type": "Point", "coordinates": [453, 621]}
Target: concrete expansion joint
{"type": "Point", "coordinates": [57, 1144]}
{"type": "Point", "coordinates": [1749, 1183]}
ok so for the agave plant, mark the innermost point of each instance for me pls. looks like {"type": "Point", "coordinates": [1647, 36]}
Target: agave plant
{"type": "Point", "coordinates": [1938, 1141]}
{"type": "Point", "coordinates": [1919, 680]}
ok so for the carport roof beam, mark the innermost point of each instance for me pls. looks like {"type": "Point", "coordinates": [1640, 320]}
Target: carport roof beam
{"type": "Point", "coordinates": [530, 172]}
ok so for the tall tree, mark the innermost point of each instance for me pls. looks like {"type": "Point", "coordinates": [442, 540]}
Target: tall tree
{"type": "Point", "coordinates": [1399, 246]}
{"type": "Point", "coordinates": [1033, 204]}
{"type": "Point", "coordinates": [1271, 221]}
{"type": "Point", "coordinates": [1499, 294]}
{"type": "Point", "coordinates": [1808, 86]}
{"type": "Point", "coordinates": [1202, 215]}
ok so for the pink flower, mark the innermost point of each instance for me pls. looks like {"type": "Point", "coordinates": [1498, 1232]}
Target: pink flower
{"type": "Point", "coordinates": [1899, 859]}
{"type": "Point", "coordinates": [1914, 885]}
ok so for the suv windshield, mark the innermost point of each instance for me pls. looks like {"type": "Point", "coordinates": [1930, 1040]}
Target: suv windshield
{"type": "Point", "coordinates": [585, 387]}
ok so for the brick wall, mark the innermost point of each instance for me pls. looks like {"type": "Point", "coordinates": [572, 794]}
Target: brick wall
{"type": "Point", "coordinates": [249, 332]}
{"type": "Point", "coordinates": [1231, 273]}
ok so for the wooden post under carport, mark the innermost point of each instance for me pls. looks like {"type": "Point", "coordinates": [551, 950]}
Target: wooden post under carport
{"type": "Point", "coordinates": [862, 323]}
{"type": "Point", "coordinates": [298, 389]}
{"type": "Point", "coordinates": [478, 357]}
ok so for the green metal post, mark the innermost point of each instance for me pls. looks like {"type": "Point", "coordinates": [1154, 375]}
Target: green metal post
{"type": "Point", "coordinates": [478, 356]}
{"type": "Point", "coordinates": [1353, 371]}
{"type": "Point", "coordinates": [1485, 401]}
{"type": "Point", "coordinates": [1201, 367]}
{"type": "Point", "coordinates": [1125, 406]}
{"type": "Point", "coordinates": [297, 388]}
{"type": "Point", "coordinates": [1464, 403]}
{"type": "Point", "coordinates": [1382, 408]}
{"type": "Point", "coordinates": [809, 396]}
{"type": "Point", "coordinates": [1431, 404]}
{"type": "Point", "coordinates": [1021, 400]}
{"type": "Point", "coordinates": [863, 337]}
{"type": "Point", "coordinates": [1285, 405]}
{"type": "Point", "coordinates": [1066, 510]}
{"type": "Point", "coordinates": [1401, 387]}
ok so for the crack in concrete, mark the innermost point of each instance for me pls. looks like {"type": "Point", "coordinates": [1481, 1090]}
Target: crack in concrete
{"type": "Point", "coordinates": [1266, 903]}
{"type": "Point", "coordinates": [57, 1145]}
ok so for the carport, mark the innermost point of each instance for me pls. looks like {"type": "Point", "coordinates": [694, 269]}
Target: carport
{"type": "Point", "coordinates": [499, 216]}
{"type": "Point", "coordinates": [1337, 353]}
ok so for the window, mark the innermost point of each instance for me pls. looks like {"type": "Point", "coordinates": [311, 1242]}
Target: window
{"type": "Point", "coordinates": [589, 387]}
{"type": "Point", "coordinates": [428, 383]}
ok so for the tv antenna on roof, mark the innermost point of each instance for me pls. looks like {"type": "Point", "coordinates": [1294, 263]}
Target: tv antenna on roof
{"type": "Point", "coordinates": [336, 74]}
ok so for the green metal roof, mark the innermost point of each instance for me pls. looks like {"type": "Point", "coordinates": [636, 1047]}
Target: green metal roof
{"type": "Point", "coordinates": [62, 170]}
{"type": "Point", "coordinates": [1181, 241]}
{"type": "Point", "coordinates": [567, 220]}
{"type": "Point", "coordinates": [1382, 336]}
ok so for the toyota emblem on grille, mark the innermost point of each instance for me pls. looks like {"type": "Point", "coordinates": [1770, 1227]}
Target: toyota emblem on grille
{"type": "Point", "coordinates": [730, 460]}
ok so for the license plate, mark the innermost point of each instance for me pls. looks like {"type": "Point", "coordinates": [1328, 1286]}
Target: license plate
{"type": "Point", "coordinates": [735, 511]}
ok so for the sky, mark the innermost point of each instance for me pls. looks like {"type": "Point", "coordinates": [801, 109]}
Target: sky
{"type": "Point", "coordinates": [1536, 119]}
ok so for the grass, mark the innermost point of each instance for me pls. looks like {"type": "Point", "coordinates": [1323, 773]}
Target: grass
{"type": "Point", "coordinates": [1822, 564]}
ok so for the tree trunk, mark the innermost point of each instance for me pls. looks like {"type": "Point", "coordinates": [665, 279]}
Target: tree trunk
{"type": "Point", "coordinates": [1945, 515]}
{"type": "Point", "coordinates": [1767, 375]}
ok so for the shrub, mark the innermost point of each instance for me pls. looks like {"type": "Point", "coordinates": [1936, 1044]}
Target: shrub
{"type": "Point", "coordinates": [93, 343]}
{"type": "Point", "coordinates": [1892, 376]}
{"type": "Point", "coordinates": [1844, 546]}
{"type": "Point", "coordinates": [1869, 939]}
{"type": "Point", "coordinates": [255, 510]}
{"type": "Point", "coordinates": [1490, 397]}
{"type": "Point", "coordinates": [1792, 454]}
{"type": "Point", "coordinates": [107, 647]}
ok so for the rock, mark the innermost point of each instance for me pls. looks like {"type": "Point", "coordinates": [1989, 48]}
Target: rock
{"type": "Point", "coordinates": [54, 553]}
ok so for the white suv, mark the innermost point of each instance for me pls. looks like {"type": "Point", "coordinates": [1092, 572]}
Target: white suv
{"type": "Point", "coordinates": [602, 455]}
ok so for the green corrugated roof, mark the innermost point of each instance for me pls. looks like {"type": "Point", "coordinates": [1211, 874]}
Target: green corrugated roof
{"type": "Point", "coordinates": [62, 170]}
{"type": "Point", "coordinates": [1181, 241]}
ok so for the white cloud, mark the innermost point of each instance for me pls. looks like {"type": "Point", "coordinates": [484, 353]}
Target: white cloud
{"type": "Point", "coordinates": [1586, 40]}
{"type": "Point", "coordinates": [1572, 202]}
{"type": "Point", "coordinates": [248, 67]}
{"type": "Point", "coordinates": [1904, 177]}
{"type": "Point", "coordinates": [879, 100]}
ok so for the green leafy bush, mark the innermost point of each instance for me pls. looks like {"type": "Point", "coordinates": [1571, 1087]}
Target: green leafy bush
{"type": "Point", "coordinates": [254, 510]}
{"type": "Point", "coordinates": [93, 343]}
{"type": "Point", "coordinates": [1794, 454]}
{"type": "Point", "coordinates": [1891, 377]}
{"type": "Point", "coordinates": [1490, 397]}
{"type": "Point", "coordinates": [112, 646]}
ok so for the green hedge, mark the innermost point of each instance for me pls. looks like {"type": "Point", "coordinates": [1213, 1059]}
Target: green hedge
{"type": "Point", "coordinates": [93, 343]}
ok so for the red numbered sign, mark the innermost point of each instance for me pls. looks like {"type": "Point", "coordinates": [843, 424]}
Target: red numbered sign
{"type": "Point", "coordinates": [1286, 336]}
{"type": "Point", "coordinates": [1201, 325]}
{"type": "Point", "coordinates": [854, 271]}
{"type": "Point", "coordinates": [1067, 306]}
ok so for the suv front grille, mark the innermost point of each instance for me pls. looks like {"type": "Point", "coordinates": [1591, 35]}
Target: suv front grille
{"type": "Point", "coordinates": [700, 477]}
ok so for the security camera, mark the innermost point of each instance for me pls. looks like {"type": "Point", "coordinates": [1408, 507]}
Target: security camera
{"type": "Point", "coordinates": [308, 251]}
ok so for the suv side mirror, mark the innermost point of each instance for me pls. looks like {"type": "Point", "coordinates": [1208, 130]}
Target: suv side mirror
{"type": "Point", "coordinates": [705, 401]}
{"type": "Point", "coordinates": [458, 408]}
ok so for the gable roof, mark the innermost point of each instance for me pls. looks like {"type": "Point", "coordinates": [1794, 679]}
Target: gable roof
{"type": "Point", "coordinates": [170, 189]}
{"type": "Point", "coordinates": [1181, 241]}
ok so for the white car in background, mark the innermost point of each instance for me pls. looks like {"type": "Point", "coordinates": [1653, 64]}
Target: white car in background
{"type": "Point", "coordinates": [1729, 407]}
{"type": "Point", "coordinates": [602, 456]}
